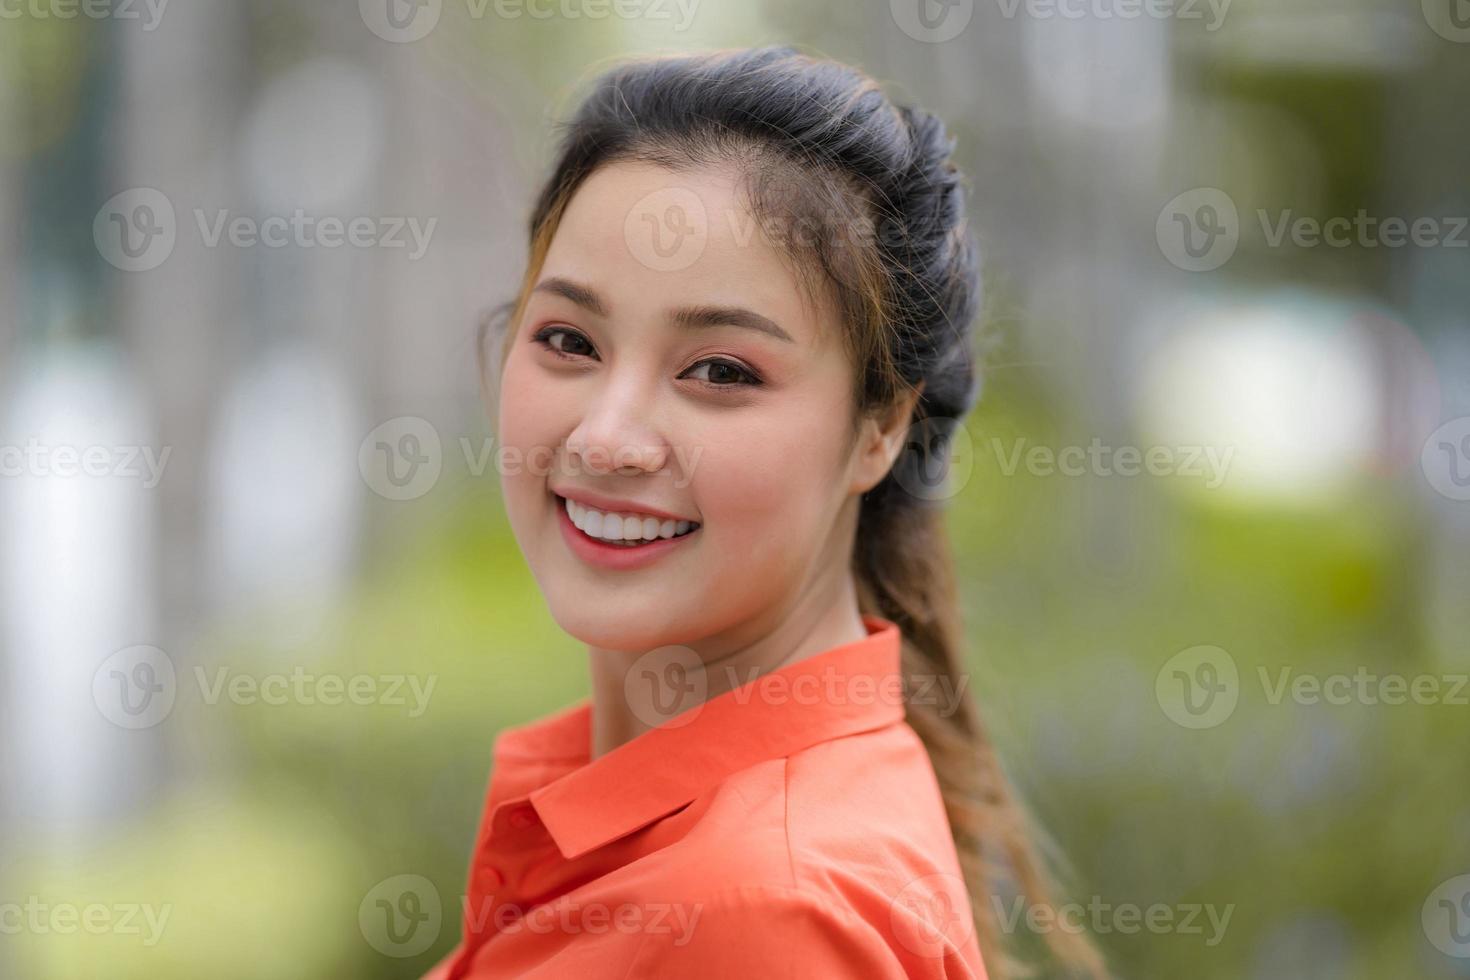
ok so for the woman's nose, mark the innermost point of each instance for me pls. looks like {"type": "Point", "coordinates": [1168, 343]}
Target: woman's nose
{"type": "Point", "coordinates": [615, 435]}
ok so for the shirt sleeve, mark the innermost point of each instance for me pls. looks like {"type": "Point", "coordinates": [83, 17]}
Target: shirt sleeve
{"type": "Point", "coordinates": [759, 931]}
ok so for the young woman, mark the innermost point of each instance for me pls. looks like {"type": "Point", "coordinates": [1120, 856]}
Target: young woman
{"type": "Point", "coordinates": [742, 339]}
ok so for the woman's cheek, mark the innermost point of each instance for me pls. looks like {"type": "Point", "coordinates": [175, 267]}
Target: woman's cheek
{"type": "Point", "coordinates": [757, 499]}
{"type": "Point", "coordinates": [522, 450]}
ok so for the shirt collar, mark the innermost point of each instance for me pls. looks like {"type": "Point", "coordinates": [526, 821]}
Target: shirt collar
{"type": "Point", "coordinates": [850, 688]}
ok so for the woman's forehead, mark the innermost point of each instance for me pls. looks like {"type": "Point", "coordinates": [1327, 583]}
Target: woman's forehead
{"type": "Point", "coordinates": [643, 235]}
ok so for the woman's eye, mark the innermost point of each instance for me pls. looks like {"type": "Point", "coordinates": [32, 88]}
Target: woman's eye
{"type": "Point", "coordinates": [723, 374]}
{"type": "Point", "coordinates": [714, 372]}
{"type": "Point", "coordinates": [562, 341]}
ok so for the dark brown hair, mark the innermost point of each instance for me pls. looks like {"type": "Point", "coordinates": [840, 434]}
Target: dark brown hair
{"type": "Point", "coordinates": [883, 204]}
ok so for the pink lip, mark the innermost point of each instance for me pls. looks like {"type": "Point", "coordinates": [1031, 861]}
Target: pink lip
{"type": "Point", "coordinates": [611, 556]}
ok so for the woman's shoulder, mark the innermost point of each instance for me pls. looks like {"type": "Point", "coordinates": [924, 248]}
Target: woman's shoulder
{"type": "Point", "coordinates": [865, 807]}
{"type": "Point", "coordinates": [784, 872]}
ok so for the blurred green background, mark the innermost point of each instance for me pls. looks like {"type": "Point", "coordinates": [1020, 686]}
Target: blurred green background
{"type": "Point", "coordinates": [1332, 380]}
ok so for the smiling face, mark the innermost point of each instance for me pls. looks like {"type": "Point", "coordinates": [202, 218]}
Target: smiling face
{"type": "Point", "coordinates": [698, 385]}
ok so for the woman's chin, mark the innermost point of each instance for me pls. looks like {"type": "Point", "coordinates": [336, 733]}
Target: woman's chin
{"type": "Point", "coordinates": [619, 627]}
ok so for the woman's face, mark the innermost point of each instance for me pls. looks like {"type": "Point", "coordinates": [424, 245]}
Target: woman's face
{"type": "Point", "coordinates": [668, 367]}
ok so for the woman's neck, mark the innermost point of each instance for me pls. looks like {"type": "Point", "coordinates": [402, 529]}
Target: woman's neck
{"type": "Point", "coordinates": [817, 622]}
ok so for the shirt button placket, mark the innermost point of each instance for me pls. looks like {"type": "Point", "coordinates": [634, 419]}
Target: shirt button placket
{"type": "Point", "coordinates": [492, 897]}
{"type": "Point", "coordinates": [490, 879]}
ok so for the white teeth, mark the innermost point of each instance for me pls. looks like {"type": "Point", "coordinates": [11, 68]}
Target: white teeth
{"type": "Point", "coordinates": [624, 527]}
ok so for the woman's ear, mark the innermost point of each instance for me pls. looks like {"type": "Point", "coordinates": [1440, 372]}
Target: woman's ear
{"type": "Point", "coordinates": [882, 438]}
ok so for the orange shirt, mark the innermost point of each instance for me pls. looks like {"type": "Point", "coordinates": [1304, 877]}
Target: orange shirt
{"type": "Point", "coordinates": [790, 827]}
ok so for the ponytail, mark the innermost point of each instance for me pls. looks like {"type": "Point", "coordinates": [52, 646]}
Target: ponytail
{"type": "Point", "coordinates": [905, 573]}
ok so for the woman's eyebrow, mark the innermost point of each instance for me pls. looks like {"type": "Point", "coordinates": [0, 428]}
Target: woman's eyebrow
{"type": "Point", "coordinates": [686, 316]}
{"type": "Point", "coordinates": [584, 296]}
{"type": "Point", "coordinates": [728, 316]}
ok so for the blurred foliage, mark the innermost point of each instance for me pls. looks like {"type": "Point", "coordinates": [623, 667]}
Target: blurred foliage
{"type": "Point", "coordinates": [1284, 809]}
